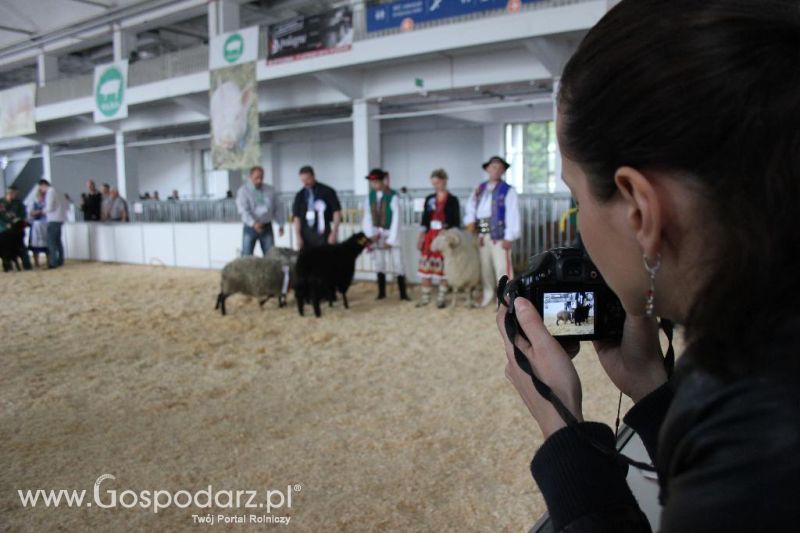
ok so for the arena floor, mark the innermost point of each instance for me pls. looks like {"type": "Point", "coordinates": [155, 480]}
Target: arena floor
{"type": "Point", "coordinates": [388, 417]}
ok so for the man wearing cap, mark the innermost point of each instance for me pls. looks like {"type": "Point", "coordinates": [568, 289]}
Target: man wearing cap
{"type": "Point", "coordinates": [381, 223]}
{"type": "Point", "coordinates": [493, 213]}
{"type": "Point", "coordinates": [11, 210]}
{"type": "Point", "coordinates": [259, 208]}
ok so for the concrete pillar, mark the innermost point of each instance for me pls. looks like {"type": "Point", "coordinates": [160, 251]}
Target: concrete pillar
{"type": "Point", "coordinates": [46, 68]}
{"type": "Point", "coordinates": [223, 16]}
{"type": "Point", "coordinates": [127, 169]}
{"type": "Point", "coordinates": [272, 170]}
{"type": "Point", "coordinates": [366, 142]}
{"type": "Point", "coordinates": [124, 42]}
{"type": "Point", "coordinates": [47, 172]}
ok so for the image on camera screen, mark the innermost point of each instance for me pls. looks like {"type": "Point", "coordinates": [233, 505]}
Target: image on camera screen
{"type": "Point", "coordinates": [569, 313]}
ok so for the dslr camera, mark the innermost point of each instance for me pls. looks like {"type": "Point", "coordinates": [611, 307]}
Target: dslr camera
{"type": "Point", "coordinates": [570, 295]}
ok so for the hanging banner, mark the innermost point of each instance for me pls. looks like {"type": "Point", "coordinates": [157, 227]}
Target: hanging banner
{"type": "Point", "coordinates": [233, 48]}
{"type": "Point", "coordinates": [303, 37]}
{"type": "Point", "coordinates": [390, 14]}
{"type": "Point", "coordinates": [17, 107]}
{"type": "Point", "coordinates": [110, 88]}
{"type": "Point", "coordinates": [234, 118]}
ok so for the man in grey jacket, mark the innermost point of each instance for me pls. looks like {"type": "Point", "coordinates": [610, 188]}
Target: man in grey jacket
{"type": "Point", "coordinates": [55, 211]}
{"type": "Point", "coordinates": [258, 207]}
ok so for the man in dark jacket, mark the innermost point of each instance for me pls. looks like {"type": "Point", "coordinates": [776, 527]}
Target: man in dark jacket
{"type": "Point", "coordinates": [92, 202]}
{"type": "Point", "coordinates": [316, 211]}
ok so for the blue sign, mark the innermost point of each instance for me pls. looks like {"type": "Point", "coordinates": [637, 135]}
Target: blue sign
{"type": "Point", "coordinates": [388, 14]}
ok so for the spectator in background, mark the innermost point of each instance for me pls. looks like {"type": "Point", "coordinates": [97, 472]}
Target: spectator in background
{"type": "Point", "coordinates": [117, 207]}
{"type": "Point", "coordinates": [316, 211]}
{"type": "Point", "coordinates": [156, 197]}
{"type": "Point", "coordinates": [174, 195]}
{"type": "Point", "coordinates": [55, 211]}
{"type": "Point", "coordinates": [493, 213]}
{"type": "Point", "coordinates": [105, 202]}
{"type": "Point", "coordinates": [37, 242]}
{"type": "Point", "coordinates": [442, 211]}
{"type": "Point", "coordinates": [258, 207]}
{"type": "Point", "coordinates": [91, 202]}
{"type": "Point", "coordinates": [12, 210]}
{"type": "Point", "coordinates": [228, 194]}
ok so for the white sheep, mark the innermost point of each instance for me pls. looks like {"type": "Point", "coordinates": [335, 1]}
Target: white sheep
{"type": "Point", "coordinates": [462, 264]}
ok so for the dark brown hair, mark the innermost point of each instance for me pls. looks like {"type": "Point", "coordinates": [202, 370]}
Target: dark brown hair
{"type": "Point", "coordinates": [439, 173]}
{"type": "Point", "coordinates": [307, 169]}
{"type": "Point", "coordinates": [708, 90]}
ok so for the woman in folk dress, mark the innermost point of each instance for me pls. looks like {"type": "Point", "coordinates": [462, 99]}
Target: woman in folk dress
{"type": "Point", "coordinates": [442, 211]}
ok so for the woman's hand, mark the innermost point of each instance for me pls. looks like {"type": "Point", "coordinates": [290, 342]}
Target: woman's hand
{"type": "Point", "coordinates": [635, 365]}
{"type": "Point", "coordinates": [550, 363]}
{"type": "Point", "coordinates": [420, 241]}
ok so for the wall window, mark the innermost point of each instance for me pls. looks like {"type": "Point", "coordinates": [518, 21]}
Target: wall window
{"type": "Point", "coordinates": [531, 150]}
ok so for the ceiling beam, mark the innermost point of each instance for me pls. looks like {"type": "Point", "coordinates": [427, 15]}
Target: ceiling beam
{"type": "Point", "coordinates": [16, 30]}
{"type": "Point", "coordinates": [96, 3]}
{"type": "Point", "coordinates": [350, 84]}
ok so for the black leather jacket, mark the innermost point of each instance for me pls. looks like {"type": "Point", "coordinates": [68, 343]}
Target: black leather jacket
{"type": "Point", "coordinates": [727, 454]}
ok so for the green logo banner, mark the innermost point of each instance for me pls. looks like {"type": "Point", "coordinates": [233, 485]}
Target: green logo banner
{"type": "Point", "coordinates": [234, 47]}
{"type": "Point", "coordinates": [110, 85]}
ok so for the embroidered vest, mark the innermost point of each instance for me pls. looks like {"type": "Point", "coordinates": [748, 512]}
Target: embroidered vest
{"type": "Point", "coordinates": [497, 223]}
{"type": "Point", "coordinates": [381, 211]}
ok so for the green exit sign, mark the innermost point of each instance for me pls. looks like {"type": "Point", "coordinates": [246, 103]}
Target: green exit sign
{"type": "Point", "coordinates": [419, 82]}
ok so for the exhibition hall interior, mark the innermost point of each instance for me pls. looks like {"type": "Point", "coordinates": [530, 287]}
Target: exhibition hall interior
{"type": "Point", "coordinates": [292, 263]}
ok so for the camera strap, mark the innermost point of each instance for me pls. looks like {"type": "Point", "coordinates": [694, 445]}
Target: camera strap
{"type": "Point", "coordinates": [513, 329]}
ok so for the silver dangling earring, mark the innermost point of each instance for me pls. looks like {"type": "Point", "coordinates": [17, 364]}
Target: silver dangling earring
{"type": "Point", "coordinates": [651, 294]}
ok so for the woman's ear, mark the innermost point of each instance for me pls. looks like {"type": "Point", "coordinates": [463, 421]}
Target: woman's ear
{"type": "Point", "coordinates": [644, 209]}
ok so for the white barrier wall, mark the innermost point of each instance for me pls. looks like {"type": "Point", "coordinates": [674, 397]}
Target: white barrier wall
{"type": "Point", "coordinates": [194, 245]}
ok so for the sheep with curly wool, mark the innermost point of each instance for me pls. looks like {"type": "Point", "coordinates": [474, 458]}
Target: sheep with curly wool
{"type": "Point", "coordinates": [462, 264]}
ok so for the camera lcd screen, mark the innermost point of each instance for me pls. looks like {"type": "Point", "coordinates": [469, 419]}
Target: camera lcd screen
{"type": "Point", "coordinates": [569, 313]}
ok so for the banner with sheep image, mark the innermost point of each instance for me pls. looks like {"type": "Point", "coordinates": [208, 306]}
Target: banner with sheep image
{"type": "Point", "coordinates": [17, 111]}
{"type": "Point", "coordinates": [234, 118]}
{"type": "Point", "coordinates": [110, 88]}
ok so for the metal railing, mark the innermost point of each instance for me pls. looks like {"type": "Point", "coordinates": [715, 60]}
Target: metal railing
{"type": "Point", "coordinates": [540, 217]}
{"type": "Point", "coordinates": [62, 89]}
{"type": "Point", "coordinates": [174, 64]}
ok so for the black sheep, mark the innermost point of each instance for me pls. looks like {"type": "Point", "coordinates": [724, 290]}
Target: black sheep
{"type": "Point", "coordinates": [12, 242]}
{"type": "Point", "coordinates": [581, 314]}
{"type": "Point", "coordinates": [323, 270]}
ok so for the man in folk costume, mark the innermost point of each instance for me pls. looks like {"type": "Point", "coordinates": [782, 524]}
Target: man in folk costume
{"type": "Point", "coordinates": [382, 224]}
{"type": "Point", "coordinates": [493, 213]}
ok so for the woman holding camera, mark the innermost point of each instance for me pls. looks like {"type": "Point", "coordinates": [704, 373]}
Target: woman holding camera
{"type": "Point", "coordinates": [679, 125]}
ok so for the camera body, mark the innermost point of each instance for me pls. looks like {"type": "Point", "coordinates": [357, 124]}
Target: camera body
{"type": "Point", "coordinates": [570, 294]}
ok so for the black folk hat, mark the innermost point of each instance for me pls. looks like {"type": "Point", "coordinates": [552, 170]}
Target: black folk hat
{"type": "Point", "coordinates": [377, 174]}
{"type": "Point", "coordinates": [498, 159]}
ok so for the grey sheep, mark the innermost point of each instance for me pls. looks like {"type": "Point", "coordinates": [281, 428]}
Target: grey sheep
{"type": "Point", "coordinates": [260, 277]}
